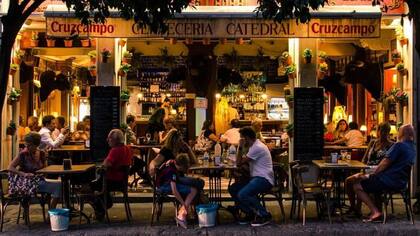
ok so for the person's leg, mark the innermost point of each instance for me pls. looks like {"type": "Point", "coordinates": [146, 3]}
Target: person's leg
{"type": "Point", "coordinates": [234, 190]}
{"type": "Point", "coordinates": [248, 196]}
{"type": "Point", "coordinates": [349, 182]}
{"type": "Point", "coordinates": [193, 182]}
{"type": "Point", "coordinates": [364, 197]}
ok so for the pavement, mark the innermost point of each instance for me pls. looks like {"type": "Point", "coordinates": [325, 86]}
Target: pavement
{"type": "Point", "coordinates": [397, 225]}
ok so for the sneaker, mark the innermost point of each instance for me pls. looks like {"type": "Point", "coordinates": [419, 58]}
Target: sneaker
{"type": "Point", "coordinates": [261, 221]}
{"type": "Point", "coordinates": [246, 220]}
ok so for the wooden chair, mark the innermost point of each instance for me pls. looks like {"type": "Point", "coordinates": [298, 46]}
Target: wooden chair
{"type": "Point", "coordinates": [122, 188]}
{"type": "Point", "coordinates": [280, 177]}
{"type": "Point", "coordinates": [158, 199]}
{"type": "Point", "coordinates": [316, 192]}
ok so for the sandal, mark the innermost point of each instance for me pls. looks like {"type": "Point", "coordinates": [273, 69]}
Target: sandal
{"type": "Point", "coordinates": [182, 223]}
{"type": "Point", "coordinates": [377, 219]}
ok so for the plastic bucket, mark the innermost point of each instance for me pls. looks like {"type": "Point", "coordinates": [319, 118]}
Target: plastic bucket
{"type": "Point", "coordinates": [207, 215]}
{"type": "Point", "coordinates": [59, 219]}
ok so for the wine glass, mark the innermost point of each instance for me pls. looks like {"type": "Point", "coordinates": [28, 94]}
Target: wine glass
{"type": "Point", "coordinates": [148, 137]}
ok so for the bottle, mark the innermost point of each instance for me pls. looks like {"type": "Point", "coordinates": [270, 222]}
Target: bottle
{"type": "Point", "coordinates": [232, 155]}
{"type": "Point", "coordinates": [217, 150]}
{"type": "Point", "coordinates": [87, 143]}
{"type": "Point", "coordinates": [206, 159]}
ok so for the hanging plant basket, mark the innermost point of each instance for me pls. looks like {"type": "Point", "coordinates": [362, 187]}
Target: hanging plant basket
{"type": "Point", "coordinates": [93, 73]}
{"type": "Point", "coordinates": [50, 42]}
{"type": "Point", "coordinates": [13, 101]}
{"type": "Point", "coordinates": [122, 42]}
{"type": "Point", "coordinates": [396, 61]}
{"type": "Point", "coordinates": [308, 60]}
{"type": "Point", "coordinates": [17, 60]}
{"type": "Point", "coordinates": [127, 60]}
{"type": "Point", "coordinates": [93, 43]}
{"type": "Point", "coordinates": [10, 131]}
{"type": "Point", "coordinates": [68, 43]}
{"type": "Point", "coordinates": [122, 73]}
{"type": "Point", "coordinates": [105, 59]}
{"type": "Point", "coordinates": [404, 41]}
{"type": "Point", "coordinates": [12, 72]}
{"type": "Point", "coordinates": [291, 76]}
{"type": "Point", "coordinates": [404, 103]}
{"type": "Point", "coordinates": [85, 43]}
{"type": "Point", "coordinates": [290, 104]}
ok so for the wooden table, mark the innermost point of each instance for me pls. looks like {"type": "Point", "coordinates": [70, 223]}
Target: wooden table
{"type": "Point", "coordinates": [70, 151]}
{"type": "Point", "coordinates": [65, 180]}
{"type": "Point", "coordinates": [71, 148]}
{"type": "Point", "coordinates": [338, 147]}
{"type": "Point", "coordinates": [215, 179]}
{"type": "Point", "coordinates": [339, 173]}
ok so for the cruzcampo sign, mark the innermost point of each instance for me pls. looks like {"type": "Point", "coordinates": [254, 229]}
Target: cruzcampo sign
{"type": "Point", "coordinates": [221, 28]}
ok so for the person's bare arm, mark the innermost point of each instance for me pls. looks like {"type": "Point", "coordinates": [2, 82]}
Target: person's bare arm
{"type": "Point", "coordinates": [383, 165]}
{"type": "Point", "coordinates": [176, 193]}
{"type": "Point", "coordinates": [155, 164]}
{"type": "Point", "coordinates": [213, 137]}
{"type": "Point", "coordinates": [13, 167]}
{"type": "Point", "coordinates": [365, 157]}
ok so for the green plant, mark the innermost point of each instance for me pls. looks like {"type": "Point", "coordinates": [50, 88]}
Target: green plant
{"type": "Point", "coordinates": [92, 54]}
{"type": "Point", "coordinates": [285, 56]}
{"type": "Point", "coordinates": [291, 69]}
{"type": "Point", "coordinates": [289, 129]}
{"type": "Point", "coordinates": [14, 66]}
{"type": "Point", "coordinates": [19, 54]}
{"type": "Point", "coordinates": [289, 98]}
{"type": "Point", "coordinates": [322, 55]}
{"type": "Point", "coordinates": [34, 36]}
{"type": "Point", "coordinates": [127, 54]}
{"type": "Point", "coordinates": [399, 32]}
{"type": "Point", "coordinates": [323, 67]}
{"type": "Point", "coordinates": [12, 125]}
{"type": "Point", "coordinates": [123, 127]}
{"type": "Point", "coordinates": [92, 67]}
{"type": "Point", "coordinates": [14, 94]}
{"type": "Point", "coordinates": [125, 67]}
{"type": "Point", "coordinates": [395, 54]}
{"type": "Point", "coordinates": [400, 66]}
{"type": "Point", "coordinates": [307, 53]}
{"type": "Point", "coordinates": [125, 95]}
{"type": "Point", "coordinates": [399, 95]}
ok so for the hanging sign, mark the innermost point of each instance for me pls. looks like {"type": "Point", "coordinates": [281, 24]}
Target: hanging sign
{"type": "Point", "coordinates": [220, 28]}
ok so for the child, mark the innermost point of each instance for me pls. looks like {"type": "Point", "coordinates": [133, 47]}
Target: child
{"type": "Point", "coordinates": [168, 182]}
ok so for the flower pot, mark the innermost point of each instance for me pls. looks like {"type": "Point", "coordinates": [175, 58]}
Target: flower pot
{"type": "Point", "coordinates": [34, 43]}
{"type": "Point", "coordinates": [85, 42]}
{"type": "Point", "coordinates": [321, 75]}
{"type": "Point", "coordinates": [403, 72]}
{"type": "Point", "coordinates": [404, 41]}
{"type": "Point", "coordinates": [122, 42]}
{"type": "Point", "coordinates": [93, 60]}
{"type": "Point", "coordinates": [68, 43]}
{"type": "Point", "coordinates": [10, 131]}
{"type": "Point", "coordinates": [17, 60]}
{"type": "Point", "coordinates": [396, 60]}
{"type": "Point", "coordinates": [12, 72]}
{"type": "Point", "coordinates": [122, 73]}
{"type": "Point", "coordinates": [50, 42]}
{"type": "Point", "coordinates": [126, 60]}
{"type": "Point", "coordinates": [290, 104]}
{"type": "Point", "coordinates": [105, 59]}
{"type": "Point", "coordinates": [308, 60]}
{"type": "Point", "coordinates": [321, 60]}
{"type": "Point", "coordinates": [93, 43]}
{"type": "Point", "coordinates": [404, 103]}
{"type": "Point", "coordinates": [291, 76]}
{"type": "Point", "coordinates": [92, 73]}
{"type": "Point", "coordinates": [11, 101]}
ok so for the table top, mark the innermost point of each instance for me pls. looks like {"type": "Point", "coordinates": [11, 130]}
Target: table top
{"type": "Point", "coordinates": [58, 169]}
{"type": "Point", "coordinates": [211, 166]}
{"type": "Point", "coordinates": [353, 164]}
{"type": "Point", "coordinates": [338, 147]}
{"type": "Point", "coordinates": [145, 146]}
{"type": "Point", "coordinates": [71, 148]}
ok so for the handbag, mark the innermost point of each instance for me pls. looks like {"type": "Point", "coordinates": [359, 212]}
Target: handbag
{"type": "Point", "coordinates": [23, 185]}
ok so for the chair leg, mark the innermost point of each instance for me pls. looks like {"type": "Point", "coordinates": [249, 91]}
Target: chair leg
{"type": "Point", "coordinates": [392, 203]}
{"type": "Point", "coordinates": [327, 202]}
{"type": "Point", "coordinates": [408, 207]}
{"type": "Point", "coordinates": [280, 200]}
{"type": "Point", "coordinates": [81, 205]}
{"type": "Point", "coordinates": [263, 200]}
{"type": "Point", "coordinates": [292, 208]}
{"type": "Point", "coordinates": [304, 212]}
{"type": "Point", "coordinates": [19, 213]}
{"type": "Point", "coordinates": [2, 210]}
{"type": "Point", "coordinates": [385, 207]}
{"type": "Point", "coordinates": [153, 210]}
{"type": "Point", "coordinates": [298, 209]}
{"type": "Point", "coordinates": [127, 207]}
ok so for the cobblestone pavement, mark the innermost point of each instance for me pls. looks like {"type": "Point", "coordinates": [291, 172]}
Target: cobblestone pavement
{"type": "Point", "coordinates": [398, 224]}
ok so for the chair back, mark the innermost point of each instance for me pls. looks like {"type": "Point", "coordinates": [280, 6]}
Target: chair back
{"type": "Point", "coordinates": [280, 176]}
{"type": "Point", "coordinates": [297, 177]}
{"type": "Point", "coordinates": [3, 179]}
{"type": "Point", "coordinates": [100, 176]}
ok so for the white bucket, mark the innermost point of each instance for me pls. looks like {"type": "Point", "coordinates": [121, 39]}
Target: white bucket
{"type": "Point", "coordinates": [207, 215]}
{"type": "Point", "coordinates": [59, 219]}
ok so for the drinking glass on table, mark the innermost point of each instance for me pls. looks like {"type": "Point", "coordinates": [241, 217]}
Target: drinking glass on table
{"type": "Point", "coordinates": [343, 153]}
{"type": "Point", "coordinates": [148, 137]}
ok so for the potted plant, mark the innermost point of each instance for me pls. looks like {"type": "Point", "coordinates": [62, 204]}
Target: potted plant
{"type": "Point", "coordinates": [285, 58]}
{"type": "Point", "coordinates": [85, 42]}
{"type": "Point", "coordinates": [400, 96]}
{"type": "Point", "coordinates": [13, 69]}
{"type": "Point", "coordinates": [106, 54]}
{"type": "Point", "coordinates": [122, 42]}
{"type": "Point", "coordinates": [396, 56]}
{"type": "Point", "coordinates": [323, 69]}
{"type": "Point", "coordinates": [127, 56]}
{"type": "Point", "coordinates": [123, 127]}
{"type": "Point", "coordinates": [14, 96]}
{"type": "Point", "coordinates": [18, 56]}
{"type": "Point", "coordinates": [125, 95]}
{"type": "Point", "coordinates": [50, 42]}
{"type": "Point", "coordinates": [92, 70]}
{"type": "Point", "coordinates": [92, 55]}
{"type": "Point", "coordinates": [68, 42]}
{"type": "Point", "coordinates": [291, 71]}
{"type": "Point", "coordinates": [401, 69]}
{"type": "Point", "coordinates": [289, 100]}
{"type": "Point", "coordinates": [11, 128]}
{"type": "Point", "coordinates": [37, 85]}
{"type": "Point", "coordinates": [34, 39]}
{"type": "Point", "coordinates": [307, 54]}
{"type": "Point", "coordinates": [124, 69]}
{"type": "Point", "coordinates": [93, 42]}
{"type": "Point", "coordinates": [322, 56]}
{"type": "Point", "coordinates": [290, 130]}
{"type": "Point", "coordinates": [399, 32]}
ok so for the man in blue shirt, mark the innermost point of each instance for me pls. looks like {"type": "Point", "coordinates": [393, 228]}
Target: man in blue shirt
{"type": "Point", "coordinates": [392, 172]}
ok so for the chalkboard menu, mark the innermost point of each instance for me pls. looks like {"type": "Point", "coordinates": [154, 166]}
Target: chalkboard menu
{"type": "Point", "coordinates": [104, 116]}
{"type": "Point", "coordinates": [308, 123]}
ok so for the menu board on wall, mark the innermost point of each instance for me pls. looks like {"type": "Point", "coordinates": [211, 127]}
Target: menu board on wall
{"type": "Point", "coordinates": [308, 124]}
{"type": "Point", "coordinates": [105, 116]}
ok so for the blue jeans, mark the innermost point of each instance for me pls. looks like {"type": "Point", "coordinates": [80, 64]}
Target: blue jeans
{"type": "Point", "coordinates": [183, 189]}
{"type": "Point", "coordinates": [245, 195]}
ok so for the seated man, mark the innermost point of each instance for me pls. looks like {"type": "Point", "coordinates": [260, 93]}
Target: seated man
{"type": "Point", "coordinates": [392, 172]}
{"type": "Point", "coordinates": [231, 136]}
{"type": "Point", "coordinates": [48, 126]}
{"type": "Point", "coordinates": [245, 195]}
{"type": "Point", "coordinates": [353, 138]}
{"type": "Point", "coordinates": [118, 157]}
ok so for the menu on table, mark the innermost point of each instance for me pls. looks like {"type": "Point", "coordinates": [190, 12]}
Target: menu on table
{"type": "Point", "coordinates": [105, 116]}
{"type": "Point", "coordinates": [308, 124]}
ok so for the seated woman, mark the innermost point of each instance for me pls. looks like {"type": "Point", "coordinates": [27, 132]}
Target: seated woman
{"type": "Point", "coordinates": [169, 124]}
{"type": "Point", "coordinates": [23, 169]}
{"type": "Point", "coordinates": [207, 137]}
{"type": "Point", "coordinates": [374, 154]}
{"type": "Point", "coordinates": [353, 137]}
{"type": "Point", "coordinates": [340, 131]}
{"type": "Point", "coordinates": [168, 181]}
{"type": "Point", "coordinates": [80, 134]}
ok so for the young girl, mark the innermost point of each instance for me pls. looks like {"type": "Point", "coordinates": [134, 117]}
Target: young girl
{"type": "Point", "coordinates": [168, 181]}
